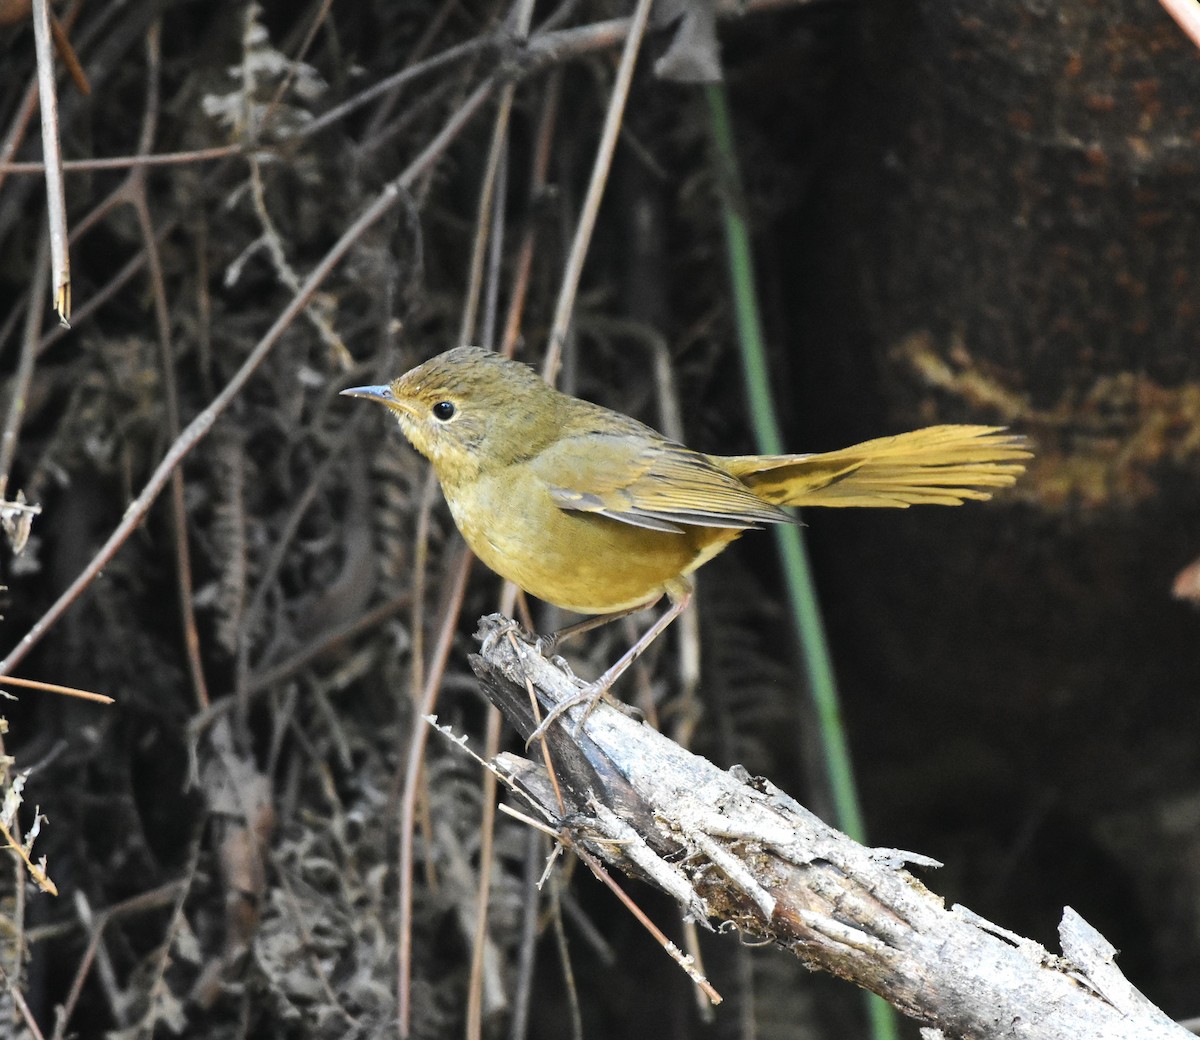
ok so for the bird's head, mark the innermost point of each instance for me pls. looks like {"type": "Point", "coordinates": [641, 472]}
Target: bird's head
{"type": "Point", "coordinates": [468, 409]}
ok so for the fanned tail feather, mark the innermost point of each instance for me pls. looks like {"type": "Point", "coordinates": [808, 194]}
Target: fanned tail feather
{"type": "Point", "coordinates": [938, 465]}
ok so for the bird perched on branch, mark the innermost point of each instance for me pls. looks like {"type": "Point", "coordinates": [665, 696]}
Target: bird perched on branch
{"type": "Point", "coordinates": [595, 512]}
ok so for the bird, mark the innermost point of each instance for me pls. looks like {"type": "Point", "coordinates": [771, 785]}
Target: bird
{"type": "Point", "coordinates": [593, 511]}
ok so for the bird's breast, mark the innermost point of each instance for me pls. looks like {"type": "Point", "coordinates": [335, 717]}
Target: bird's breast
{"type": "Point", "coordinates": [579, 561]}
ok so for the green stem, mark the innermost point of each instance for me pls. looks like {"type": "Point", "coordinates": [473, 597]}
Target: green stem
{"type": "Point", "coordinates": [806, 611]}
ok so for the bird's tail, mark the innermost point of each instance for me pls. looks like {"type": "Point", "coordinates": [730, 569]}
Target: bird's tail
{"type": "Point", "coordinates": [938, 465]}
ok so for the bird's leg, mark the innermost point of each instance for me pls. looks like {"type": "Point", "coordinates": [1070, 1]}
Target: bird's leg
{"type": "Point", "coordinates": [549, 643]}
{"type": "Point", "coordinates": [593, 692]}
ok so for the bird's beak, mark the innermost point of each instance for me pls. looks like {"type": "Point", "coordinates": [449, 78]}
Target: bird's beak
{"type": "Point", "coordinates": [377, 393]}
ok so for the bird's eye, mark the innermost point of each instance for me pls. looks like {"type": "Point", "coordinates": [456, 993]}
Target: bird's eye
{"type": "Point", "coordinates": [443, 411]}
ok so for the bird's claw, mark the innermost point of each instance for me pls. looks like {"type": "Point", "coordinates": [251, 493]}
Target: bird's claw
{"type": "Point", "coordinates": [503, 626]}
{"type": "Point", "coordinates": [589, 695]}
{"type": "Point", "coordinates": [546, 645]}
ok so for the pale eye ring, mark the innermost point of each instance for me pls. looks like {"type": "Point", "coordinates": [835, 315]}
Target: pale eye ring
{"type": "Point", "coordinates": [444, 411]}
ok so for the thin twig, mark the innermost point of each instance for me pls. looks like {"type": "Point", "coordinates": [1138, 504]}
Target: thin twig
{"type": "Point", "coordinates": [56, 200]}
{"type": "Point", "coordinates": [49, 687]}
{"type": "Point", "coordinates": [547, 760]}
{"type": "Point", "coordinates": [162, 321]}
{"type": "Point", "coordinates": [537, 187]}
{"type": "Point", "coordinates": [24, 373]}
{"type": "Point", "coordinates": [591, 203]}
{"type": "Point", "coordinates": [22, 114]}
{"type": "Point", "coordinates": [564, 958]}
{"type": "Point", "coordinates": [122, 162]}
{"type": "Point", "coordinates": [673, 951]}
{"type": "Point", "coordinates": [40, 877]}
{"type": "Point", "coordinates": [62, 43]}
{"type": "Point", "coordinates": [420, 568]}
{"type": "Point", "coordinates": [483, 220]}
{"type": "Point", "coordinates": [528, 821]}
{"type": "Point", "coordinates": [491, 299]}
{"type": "Point", "coordinates": [487, 833]}
{"type": "Point", "coordinates": [414, 761]}
{"type": "Point", "coordinates": [19, 1000]}
{"type": "Point", "coordinates": [527, 956]}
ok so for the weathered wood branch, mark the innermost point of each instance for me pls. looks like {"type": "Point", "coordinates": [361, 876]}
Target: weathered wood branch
{"type": "Point", "coordinates": [735, 851]}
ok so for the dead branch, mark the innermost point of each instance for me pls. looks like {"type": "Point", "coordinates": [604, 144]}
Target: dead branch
{"type": "Point", "coordinates": [736, 852]}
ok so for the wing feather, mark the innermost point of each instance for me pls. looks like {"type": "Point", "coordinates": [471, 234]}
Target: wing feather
{"type": "Point", "coordinates": [639, 477]}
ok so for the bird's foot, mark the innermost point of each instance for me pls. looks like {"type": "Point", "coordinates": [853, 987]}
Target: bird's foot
{"type": "Point", "coordinates": [497, 627]}
{"type": "Point", "coordinates": [546, 645]}
{"type": "Point", "coordinates": [591, 695]}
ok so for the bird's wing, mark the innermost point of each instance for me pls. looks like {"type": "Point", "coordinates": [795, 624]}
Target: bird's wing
{"type": "Point", "coordinates": [939, 465]}
{"type": "Point", "coordinates": [640, 478]}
